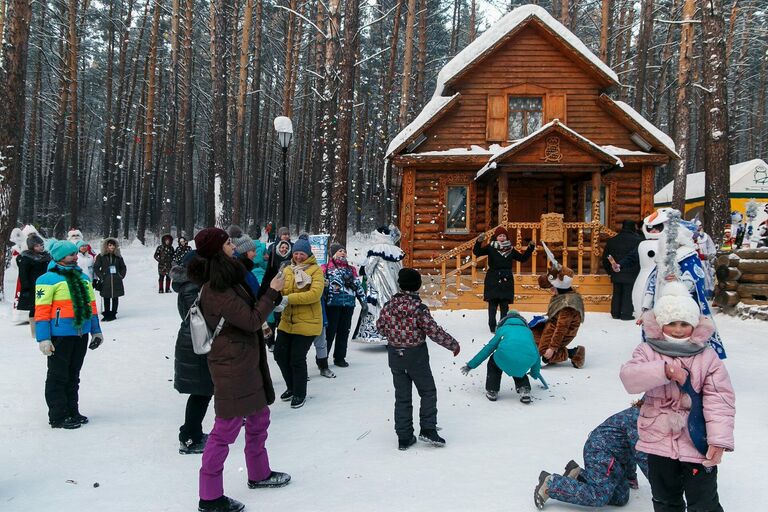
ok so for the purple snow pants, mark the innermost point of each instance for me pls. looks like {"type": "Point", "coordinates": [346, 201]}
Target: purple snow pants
{"type": "Point", "coordinates": [224, 433]}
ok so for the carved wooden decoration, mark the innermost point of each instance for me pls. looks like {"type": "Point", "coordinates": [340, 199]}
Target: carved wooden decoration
{"type": "Point", "coordinates": [552, 228]}
{"type": "Point", "coordinates": [407, 215]}
{"type": "Point", "coordinates": [552, 151]}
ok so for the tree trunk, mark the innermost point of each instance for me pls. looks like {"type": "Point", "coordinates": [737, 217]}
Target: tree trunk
{"type": "Point", "coordinates": [683, 118]}
{"type": "Point", "coordinates": [421, 57]}
{"type": "Point", "coordinates": [340, 193]}
{"type": "Point", "coordinates": [605, 22]}
{"type": "Point", "coordinates": [643, 45]}
{"type": "Point", "coordinates": [254, 138]}
{"type": "Point", "coordinates": [186, 130]}
{"type": "Point", "coordinates": [330, 113]}
{"type": "Point", "coordinates": [13, 75]}
{"type": "Point", "coordinates": [106, 197]}
{"type": "Point", "coordinates": [717, 176]}
{"type": "Point", "coordinates": [73, 139]}
{"type": "Point", "coordinates": [405, 88]}
{"type": "Point", "coordinates": [149, 127]}
{"type": "Point", "coordinates": [242, 89]}
{"type": "Point", "coordinates": [219, 71]}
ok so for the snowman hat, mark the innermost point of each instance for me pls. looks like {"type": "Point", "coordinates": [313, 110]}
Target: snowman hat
{"type": "Point", "coordinates": [676, 305]}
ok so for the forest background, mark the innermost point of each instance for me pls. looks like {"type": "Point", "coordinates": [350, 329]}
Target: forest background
{"type": "Point", "coordinates": [129, 117]}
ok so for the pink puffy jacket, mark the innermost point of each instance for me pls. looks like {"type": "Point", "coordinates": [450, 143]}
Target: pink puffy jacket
{"type": "Point", "coordinates": [662, 425]}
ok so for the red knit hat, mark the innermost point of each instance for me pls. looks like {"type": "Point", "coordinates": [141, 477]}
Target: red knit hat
{"type": "Point", "coordinates": [209, 241]}
{"type": "Point", "coordinates": [501, 230]}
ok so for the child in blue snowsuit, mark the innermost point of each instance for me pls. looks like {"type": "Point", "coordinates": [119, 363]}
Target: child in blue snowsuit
{"type": "Point", "coordinates": [513, 351]}
{"type": "Point", "coordinates": [610, 467]}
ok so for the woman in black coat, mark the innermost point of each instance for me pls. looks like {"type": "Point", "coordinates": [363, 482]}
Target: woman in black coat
{"type": "Point", "coordinates": [190, 371]}
{"type": "Point", "coordinates": [499, 289]}
{"type": "Point", "coordinates": [32, 264]}
{"type": "Point", "coordinates": [109, 269]}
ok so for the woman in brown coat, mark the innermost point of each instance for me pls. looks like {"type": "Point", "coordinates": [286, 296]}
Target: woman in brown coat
{"type": "Point", "coordinates": [239, 370]}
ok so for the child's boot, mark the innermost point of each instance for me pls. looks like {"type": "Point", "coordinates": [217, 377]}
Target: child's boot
{"type": "Point", "coordinates": [525, 394]}
{"type": "Point", "coordinates": [578, 357]}
{"type": "Point", "coordinates": [491, 395]}
{"type": "Point", "coordinates": [541, 493]}
{"type": "Point", "coordinates": [572, 470]}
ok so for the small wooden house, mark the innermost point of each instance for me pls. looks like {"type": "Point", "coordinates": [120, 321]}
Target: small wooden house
{"type": "Point", "coordinates": [522, 132]}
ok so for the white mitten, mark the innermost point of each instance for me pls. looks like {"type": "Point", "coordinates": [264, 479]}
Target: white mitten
{"type": "Point", "coordinates": [46, 347]}
{"type": "Point", "coordinates": [280, 307]}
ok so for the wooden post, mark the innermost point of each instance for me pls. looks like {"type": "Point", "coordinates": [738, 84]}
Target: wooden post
{"type": "Point", "coordinates": [503, 199]}
{"type": "Point", "coordinates": [474, 269]}
{"type": "Point", "coordinates": [488, 209]}
{"type": "Point", "coordinates": [646, 191]}
{"type": "Point", "coordinates": [442, 281]}
{"type": "Point", "coordinates": [407, 209]}
{"type": "Point", "coordinates": [458, 273]}
{"type": "Point", "coordinates": [595, 232]}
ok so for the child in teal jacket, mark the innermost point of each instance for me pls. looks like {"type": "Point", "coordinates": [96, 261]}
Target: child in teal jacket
{"type": "Point", "coordinates": [513, 351]}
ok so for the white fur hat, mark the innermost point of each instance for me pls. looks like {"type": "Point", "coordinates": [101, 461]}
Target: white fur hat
{"type": "Point", "coordinates": [676, 305]}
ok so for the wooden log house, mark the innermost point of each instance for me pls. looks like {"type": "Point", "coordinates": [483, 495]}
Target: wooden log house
{"type": "Point", "coordinates": [522, 132]}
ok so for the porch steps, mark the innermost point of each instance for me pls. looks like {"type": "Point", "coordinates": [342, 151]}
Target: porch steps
{"type": "Point", "coordinates": [595, 289]}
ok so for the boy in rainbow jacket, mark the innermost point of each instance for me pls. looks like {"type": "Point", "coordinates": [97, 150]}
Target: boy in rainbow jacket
{"type": "Point", "coordinates": [65, 314]}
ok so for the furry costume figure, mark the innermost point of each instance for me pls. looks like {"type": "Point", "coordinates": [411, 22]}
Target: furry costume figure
{"type": "Point", "coordinates": [74, 235]}
{"type": "Point", "coordinates": [19, 238]}
{"type": "Point", "coordinates": [382, 265]}
{"type": "Point", "coordinates": [565, 314]}
{"type": "Point", "coordinates": [677, 259]}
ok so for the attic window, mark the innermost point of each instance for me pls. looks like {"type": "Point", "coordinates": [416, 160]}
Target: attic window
{"type": "Point", "coordinates": [524, 116]}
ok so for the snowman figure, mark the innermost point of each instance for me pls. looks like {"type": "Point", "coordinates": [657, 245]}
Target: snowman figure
{"type": "Point", "coordinates": [669, 247]}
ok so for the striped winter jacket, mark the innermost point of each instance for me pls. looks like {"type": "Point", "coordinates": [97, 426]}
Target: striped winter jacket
{"type": "Point", "coordinates": [54, 312]}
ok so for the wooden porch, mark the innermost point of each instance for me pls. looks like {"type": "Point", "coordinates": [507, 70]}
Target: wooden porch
{"type": "Point", "coordinates": [460, 281]}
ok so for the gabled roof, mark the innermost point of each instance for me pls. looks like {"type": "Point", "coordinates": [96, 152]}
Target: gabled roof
{"type": "Point", "coordinates": [553, 126]}
{"type": "Point", "coordinates": [695, 186]}
{"type": "Point", "coordinates": [627, 115]}
{"type": "Point", "coordinates": [431, 112]}
{"type": "Point", "coordinates": [508, 26]}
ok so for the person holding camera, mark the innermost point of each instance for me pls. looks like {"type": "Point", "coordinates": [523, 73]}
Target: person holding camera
{"type": "Point", "coordinates": [65, 316]}
{"type": "Point", "coordinates": [499, 290]}
{"type": "Point", "coordinates": [342, 288]}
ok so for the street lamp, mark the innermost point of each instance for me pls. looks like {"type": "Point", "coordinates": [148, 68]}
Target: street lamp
{"type": "Point", "coordinates": [284, 129]}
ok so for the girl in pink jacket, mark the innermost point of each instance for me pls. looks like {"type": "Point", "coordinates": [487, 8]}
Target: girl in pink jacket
{"type": "Point", "coordinates": [686, 421]}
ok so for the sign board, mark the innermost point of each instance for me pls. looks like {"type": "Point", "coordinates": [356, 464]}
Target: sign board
{"type": "Point", "coordinates": [319, 244]}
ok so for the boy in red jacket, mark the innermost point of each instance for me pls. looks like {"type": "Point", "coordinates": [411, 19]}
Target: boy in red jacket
{"type": "Point", "coordinates": [406, 322]}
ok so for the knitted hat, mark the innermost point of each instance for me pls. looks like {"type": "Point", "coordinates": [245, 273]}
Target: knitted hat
{"type": "Point", "coordinates": [302, 245]}
{"type": "Point", "coordinates": [60, 249]}
{"type": "Point", "coordinates": [676, 305]}
{"type": "Point", "coordinates": [244, 244]}
{"type": "Point", "coordinates": [209, 241]}
{"type": "Point", "coordinates": [283, 231]}
{"type": "Point", "coordinates": [234, 231]}
{"type": "Point", "coordinates": [33, 240]}
{"type": "Point", "coordinates": [409, 279]}
{"type": "Point", "coordinates": [188, 258]}
{"type": "Point", "coordinates": [501, 231]}
{"type": "Point", "coordinates": [335, 247]}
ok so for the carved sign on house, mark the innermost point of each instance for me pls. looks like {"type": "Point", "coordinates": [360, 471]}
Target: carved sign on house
{"type": "Point", "coordinates": [552, 228]}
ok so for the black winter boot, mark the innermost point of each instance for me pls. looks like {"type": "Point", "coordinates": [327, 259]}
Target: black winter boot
{"type": "Point", "coordinates": [429, 435]}
{"type": "Point", "coordinates": [404, 444]}
{"type": "Point", "coordinates": [275, 479]}
{"type": "Point", "coordinates": [68, 423]}
{"type": "Point", "coordinates": [223, 504]}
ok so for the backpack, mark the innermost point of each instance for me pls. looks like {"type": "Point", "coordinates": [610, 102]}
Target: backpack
{"type": "Point", "coordinates": [202, 337]}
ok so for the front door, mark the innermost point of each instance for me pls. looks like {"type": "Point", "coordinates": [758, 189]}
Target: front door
{"type": "Point", "coordinates": [528, 200]}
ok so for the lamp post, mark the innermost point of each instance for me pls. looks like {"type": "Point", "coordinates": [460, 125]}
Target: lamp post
{"type": "Point", "coordinates": [284, 129]}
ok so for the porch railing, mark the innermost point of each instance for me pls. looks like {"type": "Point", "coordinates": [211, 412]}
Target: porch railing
{"type": "Point", "coordinates": [581, 242]}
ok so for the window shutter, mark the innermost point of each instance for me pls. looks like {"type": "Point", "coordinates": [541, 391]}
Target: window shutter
{"type": "Point", "coordinates": [556, 108]}
{"type": "Point", "coordinates": [496, 122]}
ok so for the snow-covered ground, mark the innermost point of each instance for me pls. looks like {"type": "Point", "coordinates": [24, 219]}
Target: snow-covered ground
{"type": "Point", "coordinates": [340, 447]}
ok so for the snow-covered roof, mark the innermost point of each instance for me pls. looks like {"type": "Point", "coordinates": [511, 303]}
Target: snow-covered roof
{"type": "Point", "coordinates": [615, 150]}
{"type": "Point", "coordinates": [434, 107]}
{"type": "Point", "coordinates": [750, 177]}
{"type": "Point", "coordinates": [508, 23]}
{"type": "Point", "coordinates": [479, 48]}
{"type": "Point", "coordinates": [555, 124]}
{"type": "Point", "coordinates": [621, 110]}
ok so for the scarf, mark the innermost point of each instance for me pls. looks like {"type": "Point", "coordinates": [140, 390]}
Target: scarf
{"type": "Point", "coordinates": [300, 277]}
{"type": "Point", "coordinates": [504, 247]}
{"type": "Point", "coordinates": [675, 348]}
{"type": "Point", "coordinates": [78, 293]}
{"type": "Point", "coordinates": [566, 300]}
